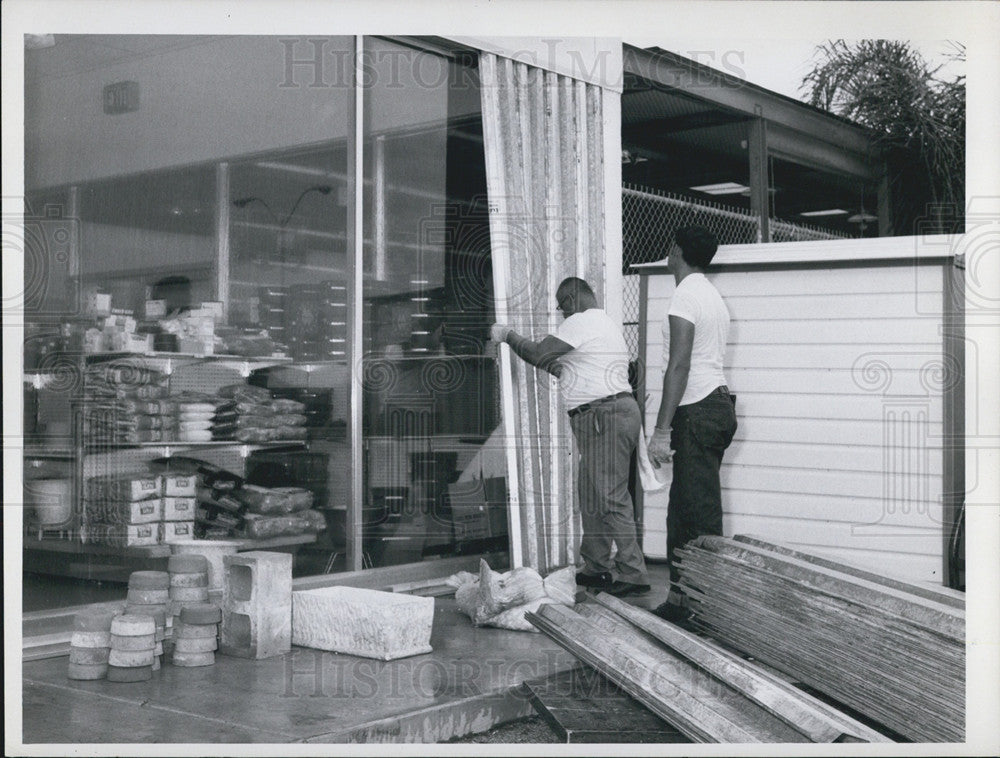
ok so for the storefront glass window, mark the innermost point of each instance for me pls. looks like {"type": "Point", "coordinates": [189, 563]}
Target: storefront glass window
{"type": "Point", "coordinates": [429, 392]}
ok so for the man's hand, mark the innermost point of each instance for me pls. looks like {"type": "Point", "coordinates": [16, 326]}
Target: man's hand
{"type": "Point", "coordinates": [499, 332]}
{"type": "Point", "coordinates": [659, 448]}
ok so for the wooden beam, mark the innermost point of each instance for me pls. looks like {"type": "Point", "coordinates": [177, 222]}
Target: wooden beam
{"type": "Point", "coordinates": [937, 594]}
{"type": "Point", "coordinates": [816, 720]}
{"type": "Point", "coordinates": [679, 693]}
{"type": "Point", "coordinates": [760, 181]}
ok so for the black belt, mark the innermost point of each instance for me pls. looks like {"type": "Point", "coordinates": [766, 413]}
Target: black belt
{"type": "Point", "coordinates": [594, 403]}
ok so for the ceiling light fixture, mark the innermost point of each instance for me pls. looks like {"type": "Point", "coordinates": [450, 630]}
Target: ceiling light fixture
{"type": "Point", "coordinates": [827, 212]}
{"type": "Point", "coordinates": [721, 188]}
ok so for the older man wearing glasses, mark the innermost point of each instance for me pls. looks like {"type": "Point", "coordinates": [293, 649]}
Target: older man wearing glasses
{"type": "Point", "coordinates": [589, 356]}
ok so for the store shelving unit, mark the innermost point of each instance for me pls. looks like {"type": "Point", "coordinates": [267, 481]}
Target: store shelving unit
{"type": "Point", "coordinates": [53, 549]}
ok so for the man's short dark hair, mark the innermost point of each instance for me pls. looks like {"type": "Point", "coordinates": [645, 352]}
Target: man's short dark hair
{"type": "Point", "coordinates": [697, 244]}
{"type": "Point", "coordinates": [574, 285]}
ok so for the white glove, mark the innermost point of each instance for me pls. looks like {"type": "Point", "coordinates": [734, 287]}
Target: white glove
{"type": "Point", "coordinates": [499, 332]}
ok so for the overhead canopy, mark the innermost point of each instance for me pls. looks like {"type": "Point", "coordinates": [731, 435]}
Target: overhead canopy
{"type": "Point", "coordinates": [686, 125]}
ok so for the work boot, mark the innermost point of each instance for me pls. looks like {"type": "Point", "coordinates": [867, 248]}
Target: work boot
{"type": "Point", "coordinates": [623, 589]}
{"type": "Point", "coordinates": [674, 613]}
{"type": "Point", "coordinates": [602, 580]}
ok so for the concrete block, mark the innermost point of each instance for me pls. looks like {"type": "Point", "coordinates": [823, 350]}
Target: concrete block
{"type": "Point", "coordinates": [257, 605]}
{"type": "Point", "coordinates": [368, 623]}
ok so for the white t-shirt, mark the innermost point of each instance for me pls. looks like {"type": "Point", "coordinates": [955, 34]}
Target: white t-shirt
{"type": "Point", "coordinates": [598, 364]}
{"type": "Point", "coordinates": [697, 301]}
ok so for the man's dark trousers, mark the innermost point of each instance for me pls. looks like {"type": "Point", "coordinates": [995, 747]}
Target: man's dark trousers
{"type": "Point", "coordinates": [699, 435]}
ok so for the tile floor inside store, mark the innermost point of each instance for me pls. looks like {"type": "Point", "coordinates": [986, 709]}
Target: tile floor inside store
{"type": "Point", "coordinates": [468, 684]}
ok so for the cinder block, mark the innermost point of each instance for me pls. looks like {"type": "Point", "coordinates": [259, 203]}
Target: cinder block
{"type": "Point", "coordinates": [369, 623]}
{"type": "Point", "coordinates": [257, 605]}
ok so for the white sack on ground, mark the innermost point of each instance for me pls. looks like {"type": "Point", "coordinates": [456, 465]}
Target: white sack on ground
{"type": "Point", "coordinates": [501, 600]}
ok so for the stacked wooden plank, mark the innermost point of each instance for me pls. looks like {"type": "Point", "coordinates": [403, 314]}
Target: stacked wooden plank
{"type": "Point", "coordinates": [889, 650]}
{"type": "Point", "coordinates": [707, 694]}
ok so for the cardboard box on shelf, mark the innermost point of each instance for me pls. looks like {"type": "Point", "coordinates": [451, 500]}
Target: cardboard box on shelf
{"type": "Point", "coordinates": [478, 508]}
{"type": "Point", "coordinates": [176, 531]}
{"type": "Point", "coordinates": [127, 512]}
{"type": "Point", "coordinates": [179, 485]}
{"type": "Point", "coordinates": [179, 508]}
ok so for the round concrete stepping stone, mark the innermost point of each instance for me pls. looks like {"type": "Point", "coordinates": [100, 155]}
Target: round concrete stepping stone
{"type": "Point", "coordinates": [91, 639]}
{"type": "Point", "coordinates": [131, 658]}
{"type": "Point", "coordinates": [189, 594]}
{"type": "Point", "coordinates": [87, 672]}
{"type": "Point", "coordinates": [195, 645]}
{"type": "Point", "coordinates": [131, 625]}
{"type": "Point", "coordinates": [189, 580]}
{"type": "Point", "coordinates": [148, 597]}
{"type": "Point", "coordinates": [135, 642]}
{"type": "Point", "coordinates": [142, 609]}
{"type": "Point", "coordinates": [149, 580]}
{"type": "Point", "coordinates": [187, 563]}
{"type": "Point", "coordinates": [89, 656]}
{"type": "Point", "coordinates": [192, 659]}
{"type": "Point", "coordinates": [130, 673]}
{"type": "Point", "coordinates": [201, 613]}
{"type": "Point", "coordinates": [94, 620]}
{"type": "Point", "coordinates": [195, 631]}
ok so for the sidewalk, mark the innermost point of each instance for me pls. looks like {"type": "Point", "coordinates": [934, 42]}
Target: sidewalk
{"type": "Point", "coordinates": [468, 684]}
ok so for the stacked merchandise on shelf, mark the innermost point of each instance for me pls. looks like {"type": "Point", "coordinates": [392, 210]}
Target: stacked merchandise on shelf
{"type": "Point", "coordinates": [127, 404]}
{"type": "Point", "coordinates": [278, 511]}
{"type": "Point", "coordinates": [227, 507]}
{"type": "Point", "coordinates": [257, 417]}
{"type": "Point", "coordinates": [317, 321]}
{"type": "Point", "coordinates": [132, 510]}
{"type": "Point", "coordinates": [271, 312]}
{"type": "Point", "coordinates": [202, 417]}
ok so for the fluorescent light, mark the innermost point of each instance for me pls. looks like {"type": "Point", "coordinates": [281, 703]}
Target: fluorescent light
{"type": "Point", "coordinates": [722, 188]}
{"type": "Point", "coordinates": [827, 212]}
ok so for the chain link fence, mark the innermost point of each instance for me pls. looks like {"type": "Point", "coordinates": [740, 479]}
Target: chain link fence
{"type": "Point", "coordinates": [649, 218]}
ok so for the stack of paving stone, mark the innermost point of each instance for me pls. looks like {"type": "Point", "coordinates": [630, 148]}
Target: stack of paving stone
{"type": "Point", "coordinates": [188, 580]}
{"type": "Point", "coordinates": [196, 635]}
{"type": "Point", "coordinates": [90, 644]}
{"type": "Point", "coordinates": [148, 593]}
{"type": "Point", "coordinates": [160, 623]}
{"type": "Point", "coordinates": [133, 648]}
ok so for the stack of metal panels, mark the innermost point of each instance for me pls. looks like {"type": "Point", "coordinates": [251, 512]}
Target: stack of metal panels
{"type": "Point", "coordinates": [892, 651]}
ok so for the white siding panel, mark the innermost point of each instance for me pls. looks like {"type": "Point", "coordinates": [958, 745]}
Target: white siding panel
{"type": "Point", "coordinates": [834, 305]}
{"type": "Point", "coordinates": [904, 485]}
{"type": "Point", "coordinates": [840, 377]}
{"type": "Point", "coordinates": [907, 566]}
{"type": "Point", "coordinates": [864, 515]}
{"type": "Point", "coordinates": [811, 456]}
{"type": "Point", "coordinates": [872, 334]}
{"type": "Point", "coordinates": [868, 433]}
{"type": "Point", "coordinates": [836, 534]}
{"type": "Point", "coordinates": [858, 406]}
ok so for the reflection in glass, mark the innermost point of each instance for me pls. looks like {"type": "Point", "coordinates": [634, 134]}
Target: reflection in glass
{"type": "Point", "coordinates": [429, 392]}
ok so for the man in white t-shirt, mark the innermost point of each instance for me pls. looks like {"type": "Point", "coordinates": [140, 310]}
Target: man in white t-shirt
{"type": "Point", "coordinates": [697, 417]}
{"type": "Point", "coordinates": [589, 356]}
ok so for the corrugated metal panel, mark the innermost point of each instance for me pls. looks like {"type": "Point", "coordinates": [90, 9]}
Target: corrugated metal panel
{"type": "Point", "coordinates": [840, 374]}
